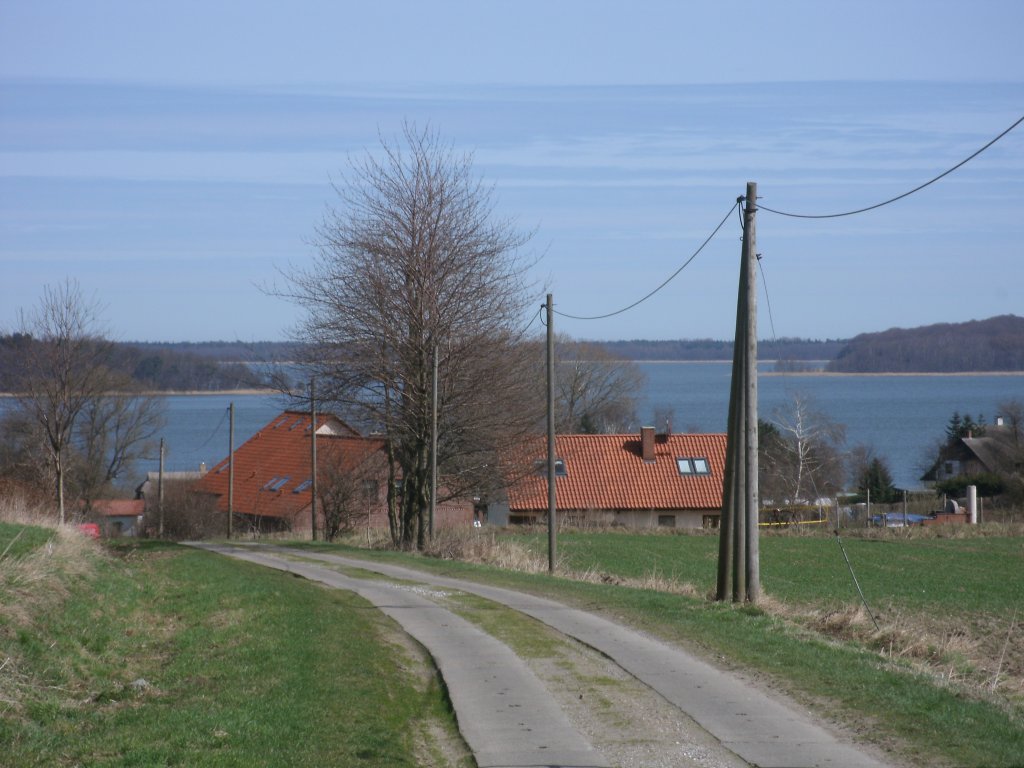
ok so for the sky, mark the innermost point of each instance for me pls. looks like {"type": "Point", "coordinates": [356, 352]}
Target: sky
{"type": "Point", "coordinates": [175, 159]}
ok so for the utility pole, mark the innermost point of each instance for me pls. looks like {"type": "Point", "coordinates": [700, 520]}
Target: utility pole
{"type": "Point", "coordinates": [739, 550]}
{"type": "Point", "coordinates": [231, 466]}
{"type": "Point", "coordinates": [312, 457]}
{"type": "Point", "coordinates": [433, 449]}
{"type": "Point", "coordinates": [552, 519]}
{"type": "Point", "coordinates": [160, 493]}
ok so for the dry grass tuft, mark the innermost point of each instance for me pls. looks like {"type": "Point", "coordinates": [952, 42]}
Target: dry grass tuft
{"type": "Point", "coordinates": [652, 580]}
{"type": "Point", "coordinates": [479, 546]}
{"type": "Point", "coordinates": [34, 585]}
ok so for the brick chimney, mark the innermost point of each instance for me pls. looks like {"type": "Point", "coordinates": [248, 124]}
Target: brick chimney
{"type": "Point", "coordinates": [647, 443]}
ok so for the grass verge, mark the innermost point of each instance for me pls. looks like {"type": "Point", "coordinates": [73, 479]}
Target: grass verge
{"type": "Point", "coordinates": [164, 655]}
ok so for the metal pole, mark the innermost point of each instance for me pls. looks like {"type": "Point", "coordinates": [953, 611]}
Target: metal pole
{"type": "Point", "coordinates": [552, 518]}
{"type": "Point", "coordinates": [231, 467]}
{"type": "Point", "coordinates": [433, 449]}
{"type": "Point", "coordinates": [312, 458]}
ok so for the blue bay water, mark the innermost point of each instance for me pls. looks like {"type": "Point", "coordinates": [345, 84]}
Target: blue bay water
{"type": "Point", "coordinates": [902, 417]}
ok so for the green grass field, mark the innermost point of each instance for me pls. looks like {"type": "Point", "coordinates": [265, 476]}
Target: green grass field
{"type": "Point", "coordinates": [908, 687]}
{"type": "Point", "coordinates": [244, 666]}
{"type": "Point", "coordinates": [164, 655]}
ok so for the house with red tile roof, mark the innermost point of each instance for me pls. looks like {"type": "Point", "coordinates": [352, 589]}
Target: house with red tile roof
{"type": "Point", "coordinates": [273, 476]}
{"type": "Point", "coordinates": [643, 480]}
{"type": "Point", "coordinates": [118, 517]}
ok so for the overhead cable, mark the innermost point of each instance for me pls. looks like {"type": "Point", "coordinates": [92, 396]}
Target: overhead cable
{"type": "Point", "coordinates": [898, 197]}
{"type": "Point", "coordinates": [666, 282]}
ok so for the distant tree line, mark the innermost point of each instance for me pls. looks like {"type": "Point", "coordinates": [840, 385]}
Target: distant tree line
{"type": "Point", "coordinates": [996, 344]}
{"type": "Point", "coordinates": [691, 350]}
{"type": "Point", "coordinates": [148, 367]}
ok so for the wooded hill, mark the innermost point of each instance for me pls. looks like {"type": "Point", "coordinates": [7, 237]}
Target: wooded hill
{"type": "Point", "coordinates": [996, 344]}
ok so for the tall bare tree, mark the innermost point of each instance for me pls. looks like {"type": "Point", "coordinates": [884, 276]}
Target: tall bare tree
{"type": "Point", "coordinates": [800, 453]}
{"type": "Point", "coordinates": [63, 385]}
{"type": "Point", "coordinates": [411, 261]}
{"type": "Point", "coordinates": [596, 391]}
{"type": "Point", "coordinates": [61, 369]}
{"type": "Point", "coordinates": [113, 431]}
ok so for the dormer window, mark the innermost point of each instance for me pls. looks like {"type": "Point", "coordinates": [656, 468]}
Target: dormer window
{"type": "Point", "coordinates": [693, 465]}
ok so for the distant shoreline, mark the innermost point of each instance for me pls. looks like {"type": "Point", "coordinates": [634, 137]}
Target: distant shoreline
{"type": "Point", "coordinates": [189, 393]}
{"type": "Point", "coordinates": [837, 373]}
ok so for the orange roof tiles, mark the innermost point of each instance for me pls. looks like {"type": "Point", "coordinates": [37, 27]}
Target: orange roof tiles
{"type": "Point", "coordinates": [119, 507]}
{"type": "Point", "coordinates": [273, 466]}
{"type": "Point", "coordinates": [607, 472]}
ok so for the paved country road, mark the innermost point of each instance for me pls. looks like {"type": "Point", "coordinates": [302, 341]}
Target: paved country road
{"type": "Point", "coordinates": [510, 718]}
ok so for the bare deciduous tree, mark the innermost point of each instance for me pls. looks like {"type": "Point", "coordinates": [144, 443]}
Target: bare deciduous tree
{"type": "Point", "coordinates": [411, 260]}
{"type": "Point", "coordinates": [114, 431]}
{"type": "Point", "coordinates": [61, 370]}
{"type": "Point", "coordinates": [596, 391]}
{"type": "Point", "coordinates": [1012, 412]}
{"type": "Point", "coordinates": [799, 453]}
{"type": "Point", "coordinates": [64, 387]}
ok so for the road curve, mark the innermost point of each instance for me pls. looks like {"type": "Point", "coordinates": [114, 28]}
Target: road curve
{"type": "Point", "coordinates": [761, 730]}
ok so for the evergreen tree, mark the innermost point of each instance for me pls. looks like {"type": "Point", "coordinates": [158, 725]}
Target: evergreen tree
{"type": "Point", "coordinates": [877, 479]}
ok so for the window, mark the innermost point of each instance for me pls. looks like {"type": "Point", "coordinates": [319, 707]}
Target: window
{"type": "Point", "coordinates": [542, 467]}
{"type": "Point", "coordinates": [666, 521]}
{"type": "Point", "coordinates": [279, 423]}
{"type": "Point", "coordinates": [693, 465]}
{"type": "Point", "coordinates": [298, 423]}
{"type": "Point", "coordinates": [303, 485]}
{"type": "Point", "coordinates": [275, 483]}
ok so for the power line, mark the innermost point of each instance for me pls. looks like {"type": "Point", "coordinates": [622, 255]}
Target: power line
{"type": "Point", "coordinates": [216, 429]}
{"type": "Point", "coordinates": [666, 282]}
{"type": "Point", "coordinates": [767, 298]}
{"type": "Point", "coordinates": [898, 197]}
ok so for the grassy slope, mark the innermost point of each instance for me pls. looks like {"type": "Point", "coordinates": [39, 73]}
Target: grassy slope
{"type": "Point", "coordinates": [242, 666]}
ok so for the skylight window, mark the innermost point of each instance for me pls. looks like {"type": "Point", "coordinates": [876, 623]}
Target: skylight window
{"type": "Point", "coordinates": [303, 485]}
{"type": "Point", "coordinates": [560, 470]}
{"type": "Point", "coordinates": [279, 422]}
{"type": "Point", "coordinates": [298, 423]}
{"type": "Point", "coordinates": [693, 465]}
{"type": "Point", "coordinates": [275, 483]}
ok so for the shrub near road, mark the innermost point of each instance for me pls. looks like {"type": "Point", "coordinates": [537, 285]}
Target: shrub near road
{"type": "Point", "coordinates": [169, 656]}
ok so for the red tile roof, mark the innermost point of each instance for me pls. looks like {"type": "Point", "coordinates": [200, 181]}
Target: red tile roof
{"type": "Point", "coordinates": [607, 472]}
{"type": "Point", "coordinates": [119, 507]}
{"type": "Point", "coordinates": [272, 467]}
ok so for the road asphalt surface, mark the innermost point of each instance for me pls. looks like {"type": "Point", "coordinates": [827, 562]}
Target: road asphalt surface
{"type": "Point", "coordinates": [507, 716]}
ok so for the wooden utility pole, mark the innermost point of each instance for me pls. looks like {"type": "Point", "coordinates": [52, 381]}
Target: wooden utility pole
{"type": "Point", "coordinates": [739, 552]}
{"type": "Point", "coordinates": [231, 466]}
{"type": "Point", "coordinates": [433, 449]}
{"type": "Point", "coordinates": [552, 519]}
{"type": "Point", "coordinates": [312, 458]}
{"type": "Point", "coordinates": [160, 493]}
